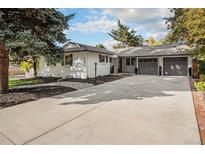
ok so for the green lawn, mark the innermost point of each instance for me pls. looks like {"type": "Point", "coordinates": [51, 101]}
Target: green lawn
{"type": "Point", "coordinates": [21, 82]}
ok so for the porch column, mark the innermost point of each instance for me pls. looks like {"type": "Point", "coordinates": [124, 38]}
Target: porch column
{"type": "Point", "coordinates": [116, 64]}
{"type": "Point", "coordinates": [137, 65]}
{"type": "Point", "coordinates": [160, 63]}
{"type": "Point", "coordinates": [190, 65]}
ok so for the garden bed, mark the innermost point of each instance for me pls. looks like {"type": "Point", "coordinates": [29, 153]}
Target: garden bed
{"type": "Point", "coordinates": [98, 80]}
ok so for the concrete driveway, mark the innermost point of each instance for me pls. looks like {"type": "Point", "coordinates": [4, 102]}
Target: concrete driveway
{"type": "Point", "coordinates": [133, 110]}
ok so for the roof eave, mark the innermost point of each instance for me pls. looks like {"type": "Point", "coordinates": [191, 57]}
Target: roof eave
{"type": "Point", "coordinates": [85, 50]}
{"type": "Point", "coordinates": [184, 54]}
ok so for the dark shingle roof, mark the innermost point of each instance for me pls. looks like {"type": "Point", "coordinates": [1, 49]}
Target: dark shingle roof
{"type": "Point", "coordinates": [77, 47]}
{"type": "Point", "coordinates": [161, 50]}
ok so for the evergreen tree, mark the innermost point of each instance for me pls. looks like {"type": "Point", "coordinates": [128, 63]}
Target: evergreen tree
{"type": "Point", "coordinates": [30, 33]}
{"type": "Point", "coordinates": [125, 36]}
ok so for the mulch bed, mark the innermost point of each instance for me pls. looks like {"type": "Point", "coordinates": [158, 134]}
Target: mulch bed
{"type": "Point", "coordinates": [26, 94]}
{"type": "Point", "coordinates": [98, 80]}
{"type": "Point", "coordinates": [199, 103]}
{"type": "Point", "coordinates": [22, 95]}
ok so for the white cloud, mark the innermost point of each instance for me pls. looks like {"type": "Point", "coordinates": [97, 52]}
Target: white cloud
{"type": "Point", "coordinates": [138, 15]}
{"type": "Point", "coordinates": [153, 26]}
{"type": "Point", "coordinates": [108, 44]}
{"type": "Point", "coordinates": [157, 35]}
{"type": "Point", "coordinates": [97, 22]}
{"type": "Point", "coordinates": [157, 29]}
{"type": "Point", "coordinates": [146, 21]}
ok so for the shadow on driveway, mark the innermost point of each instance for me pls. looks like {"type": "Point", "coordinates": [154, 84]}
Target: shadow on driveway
{"type": "Point", "coordinates": [137, 88]}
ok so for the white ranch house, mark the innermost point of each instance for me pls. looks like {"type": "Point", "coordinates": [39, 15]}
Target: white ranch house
{"type": "Point", "coordinates": [84, 61]}
{"type": "Point", "coordinates": [79, 62]}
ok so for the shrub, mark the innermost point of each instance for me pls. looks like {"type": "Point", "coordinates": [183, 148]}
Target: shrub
{"type": "Point", "coordinates": [26, 65]}
{"type": "Point", "coordinates": [202, 77]}
{"type": "Point", "coordinates": [200, 86]}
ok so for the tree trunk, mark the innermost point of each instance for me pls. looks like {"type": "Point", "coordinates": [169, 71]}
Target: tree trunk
{"type": "Point", "coordinates": [35, 63]}
{"type": "Point", "coordinates": [4, 68]}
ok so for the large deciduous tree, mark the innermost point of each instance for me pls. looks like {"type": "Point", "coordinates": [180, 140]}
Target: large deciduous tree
{"type": "Point", "coordinates": [30, 33]}
{"type": "Point", "coordinates": [188, 27]}
{"type": "Point", "coordinates": [125, 36]}
{"type": "Point", "coordinates": [151, 41]}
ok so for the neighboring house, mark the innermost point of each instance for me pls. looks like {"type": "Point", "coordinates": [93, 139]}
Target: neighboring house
{"type": "Point", "coordinates": [15, 70]}
{"type": "Point", "coordinates": [155, 60]}
{"type": "Point", "coordinates": [80, 60]}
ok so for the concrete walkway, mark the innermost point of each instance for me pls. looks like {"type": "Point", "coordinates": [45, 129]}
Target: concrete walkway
{"type": "Point", "coordinates": [133, 110]}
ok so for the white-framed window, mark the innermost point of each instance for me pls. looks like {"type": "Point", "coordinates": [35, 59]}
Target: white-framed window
{"type": "Point", "coordinates": [130, 61]}
{"type": "Point", "coordinates": [106, 59]}
{"type": "Point", "coordinates": [69, 59]}
{"type": "Point", "coordinates": [110, 59]}
{"type": "Point", "coordinates": [101, 58]}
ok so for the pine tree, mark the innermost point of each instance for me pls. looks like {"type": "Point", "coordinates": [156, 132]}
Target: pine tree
{"type": "Point", "coordinates": [30, 33]}
{"type": "Point", "coordinates": [125, 36]}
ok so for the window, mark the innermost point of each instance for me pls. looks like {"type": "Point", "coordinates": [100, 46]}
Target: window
{"type": "Point", "coordinates": [101, 58]}
{"type": "Point", "coordinates": [127, 61]}
{"type": "Point", "coordinates": [110, 60]}
{"type": "Point", "coordinates": [132, 61]}
{"type": "Point", "coordinates": [148, 60]}
{"type": "Point", "coordinates": [69, 59]}
{"type": "Point", "coordinates": [106, 59]}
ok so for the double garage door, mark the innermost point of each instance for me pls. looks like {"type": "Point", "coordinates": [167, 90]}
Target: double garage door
{"type": "Point", "coordinates": [176, 66]}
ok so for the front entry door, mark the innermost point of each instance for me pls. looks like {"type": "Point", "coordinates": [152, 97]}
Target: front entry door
{"type": "Point", "coordinates": [130, 65]}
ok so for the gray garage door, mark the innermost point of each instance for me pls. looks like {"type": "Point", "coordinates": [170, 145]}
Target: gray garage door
{"type": "Point", "coordinates": [148, 66]}
{"type": "Point", "coordinates": [175, 66]}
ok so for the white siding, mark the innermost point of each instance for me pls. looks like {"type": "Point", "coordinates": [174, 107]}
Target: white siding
{"type": "Point", "coordinates": [190, 61]}
{"type": "Point", "coordinates": [160, 63]}
{"type": "Point", "coordinates": [83, 67]}
{"type": "Point", "coordinates": [124, 67]}
{"type": "Point", "coordinates": [77, 70]}
{"type": "Point", "coordinates": [102, 68]}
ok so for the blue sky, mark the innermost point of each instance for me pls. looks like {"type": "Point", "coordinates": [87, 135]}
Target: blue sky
{"type": "Point", "coordinates": [90, 26]}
